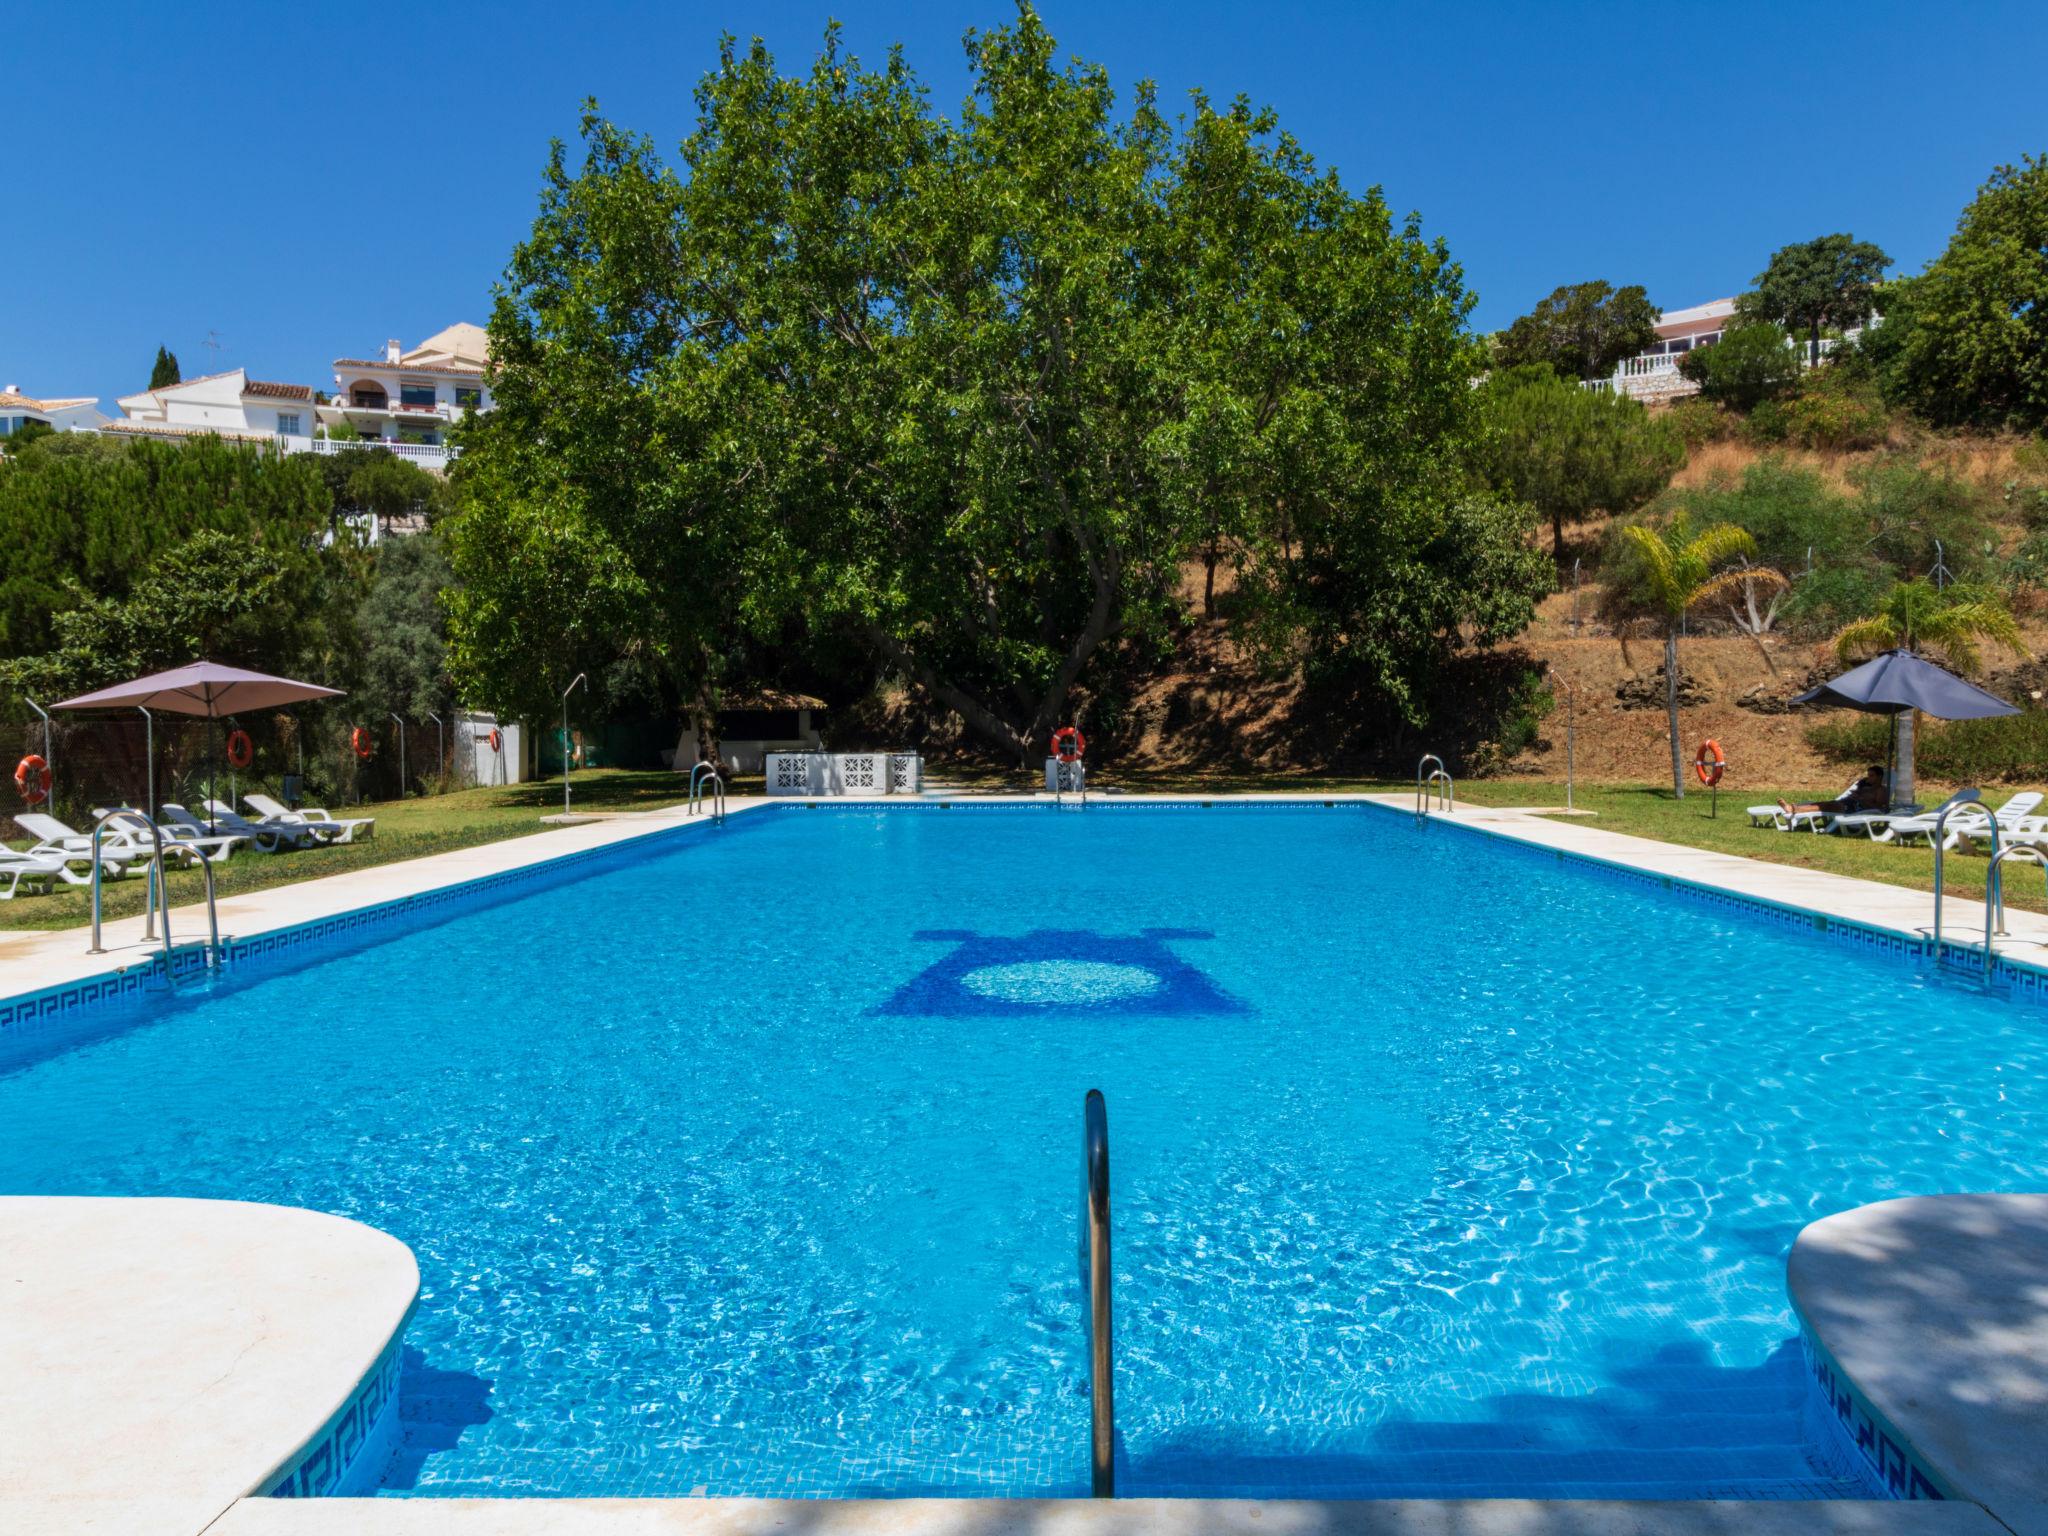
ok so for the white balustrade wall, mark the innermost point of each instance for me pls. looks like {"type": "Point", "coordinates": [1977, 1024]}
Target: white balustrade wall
{"type": "Point", "coordinates": [844, 773]}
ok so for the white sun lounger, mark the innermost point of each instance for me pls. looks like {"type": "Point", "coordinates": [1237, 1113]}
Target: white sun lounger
{"type": "Point", "coordinates": [180, 842]}
{"type": "Point", "coordinates": [325, 825]}
{"type": "Point", "coordinates": [1784, 820]}
{"type": "Point", "coordinates": [36, 868]}
{"type": "Point", "coordinates": [118, 848]}
{"type": "Point", "coordinates": [262, 839]}
{"type": "Point", "coordinates": [1967, 821]}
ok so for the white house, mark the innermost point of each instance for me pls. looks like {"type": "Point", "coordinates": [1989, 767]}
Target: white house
{"type": "Point", "coordinates": [230, 405]}
{"type": "Point", "coordinates": [76, 414]}
{"type": "Point", "coordinates": [406, 401]}
{"type": "Point", "coordinates": [1652, 374]}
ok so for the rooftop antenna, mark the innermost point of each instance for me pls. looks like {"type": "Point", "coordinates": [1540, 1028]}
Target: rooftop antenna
{"type": "Point", "coordinates": [213, 344]}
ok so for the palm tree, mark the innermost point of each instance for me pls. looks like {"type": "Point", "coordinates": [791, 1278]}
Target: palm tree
{"type": "Point", "coordinates": [1679, 567]}
{"type": "Point", "coordinates": [1951, 622]}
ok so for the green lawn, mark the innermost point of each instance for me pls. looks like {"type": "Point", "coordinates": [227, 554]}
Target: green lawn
{"type": "Point", "coordinates": [406, 829]}
{"type": "Point", "coordinates": [412, 828]}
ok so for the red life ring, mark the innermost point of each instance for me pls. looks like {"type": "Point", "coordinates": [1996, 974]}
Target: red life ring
{"type": "Point", "coordinates": [497, 741]}
{"type": "Point", "coordinates": [1708, 762]}
{"type": "Point", "coordinates": [241, 750]}
{"type": "Point", "coordinates": [1068, 744]}
{"type": "Point", "coordinates": [32, 778]}
{"type": "Point", "coordinates": [360, 743]}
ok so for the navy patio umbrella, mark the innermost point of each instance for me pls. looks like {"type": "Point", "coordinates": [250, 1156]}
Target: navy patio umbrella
{"type": "Point", "coordinates": [1898, 682]}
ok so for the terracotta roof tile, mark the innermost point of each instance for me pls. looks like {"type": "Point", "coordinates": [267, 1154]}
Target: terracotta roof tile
{"type": "Point", "coordinates": [278, 391]}
{"type": "Point", "coordinates": [28, 402]}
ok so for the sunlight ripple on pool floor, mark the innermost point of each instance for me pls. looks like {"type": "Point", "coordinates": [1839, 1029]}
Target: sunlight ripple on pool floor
{"type": "Point", "coordinates": [788, 1204]}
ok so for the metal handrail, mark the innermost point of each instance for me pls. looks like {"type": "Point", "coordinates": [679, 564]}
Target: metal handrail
{"type": "Point", "coordinates": [1994, 888]}
{"type": "Point", "coordinates": [709, 777]}
{"type": "Point", "coordinates": [1953, 803]}
{"type": "Point", "coordinates": [1095, 1266]}
{"type": "Point", "coordinates": [160, 888]}
{"type": "Point", "coordinates": [1435, 784]}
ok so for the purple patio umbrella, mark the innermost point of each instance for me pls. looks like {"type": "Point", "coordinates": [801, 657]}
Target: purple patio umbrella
{"type": "Point", "coordinates": [203, 688]}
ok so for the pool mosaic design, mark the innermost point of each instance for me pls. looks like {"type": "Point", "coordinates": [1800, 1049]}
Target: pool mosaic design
{"type": "Point", "coordinates": [1061, 971]}
{"type": "Point", "coordinates": [1442, 1166]}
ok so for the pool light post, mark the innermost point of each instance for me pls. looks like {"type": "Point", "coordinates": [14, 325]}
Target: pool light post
{"type": "Point", "coordinates": [149, 894]}
{"type": "Point", "coordinates": [1571, 698]}
{"type": "Point", "coordinates": [580, 678]}
{"type": "Point", "coordinates": [49, 752]}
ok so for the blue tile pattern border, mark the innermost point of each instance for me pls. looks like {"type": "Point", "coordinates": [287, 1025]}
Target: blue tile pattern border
{"type": "Point", "coordinates": [349, 1453]}
{"type": "Point", "coordinates": [1854, 1434]}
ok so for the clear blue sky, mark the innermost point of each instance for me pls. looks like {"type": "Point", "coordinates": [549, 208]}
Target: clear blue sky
{"type": "Point", "coordinates": [308, 180]}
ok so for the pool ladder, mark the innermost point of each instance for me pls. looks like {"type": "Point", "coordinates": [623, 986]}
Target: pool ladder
{"type": "Point", "coordinates": [707, 789]}
{"type": "Point", "coordinates": [1433, 787]}
{"type": "Point", "coordinates": [1095, 1274]}
{"type": "Point", "coordinates": [157, 896]}
{"type": "Point", "coordinates": [1994, 875]}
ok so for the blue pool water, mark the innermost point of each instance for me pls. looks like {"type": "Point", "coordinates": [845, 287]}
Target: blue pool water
{"type": "Point", "coordinates": [751, 1167]}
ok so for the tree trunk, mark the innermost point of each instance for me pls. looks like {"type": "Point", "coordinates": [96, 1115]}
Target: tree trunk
{"type": "Point", "coordinates": [1813, 345]}
{"type": "Point", "coordinates": [705, 720]}
{"type": "Point", "coordinates": [979, 716]}
{"type": "Point", "coordinates": [1902, 772]}
{"type": "Point", "coordinates": [1557, 536]}
{"type": "Point", "coordinates": [1209, 580]}
{"type": "Point", "coordinates": [1671, 704]}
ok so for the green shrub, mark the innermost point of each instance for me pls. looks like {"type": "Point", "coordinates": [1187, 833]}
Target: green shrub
{"type": "Point", "coordinates": [1747, 366]}
{"type": "Point", "coordinates": [1833, 413]}
{"type": "Point", "coordinates": [1697, 421]}
{"type": "Point", "coordinates": [2011, 750]}
{"type": "Point", "coordinates": [1821, 603]}
{"type": "Point", "coordinates": [1912, 509]}
{"type": "Point", "coordinates": [1768, 424]}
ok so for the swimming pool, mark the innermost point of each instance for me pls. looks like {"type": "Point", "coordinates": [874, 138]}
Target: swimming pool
{"type": "Point", "coordinates": [749, 1166]}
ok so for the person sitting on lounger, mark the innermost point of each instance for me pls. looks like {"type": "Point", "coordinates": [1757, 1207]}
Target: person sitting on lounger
{"type": "Point", "coordinates": [1869, 793]}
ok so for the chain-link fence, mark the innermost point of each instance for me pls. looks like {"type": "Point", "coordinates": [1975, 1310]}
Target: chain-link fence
{"type": "Point", "coordinates": [311, 756]}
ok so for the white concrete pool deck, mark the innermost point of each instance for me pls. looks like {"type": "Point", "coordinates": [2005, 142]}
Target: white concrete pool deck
{"type": "Point", "coordinates": [163, 1441]}
{"type": "Point", "coordinates": [31, 960]}
{"type": "Point", "coordinates": [1936, 1307]}
{"type": "Point", "coordinates": [160, 1358]}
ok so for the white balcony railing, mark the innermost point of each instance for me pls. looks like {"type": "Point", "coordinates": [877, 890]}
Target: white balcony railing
{"type": "Point", "coordinates": [431, 455]}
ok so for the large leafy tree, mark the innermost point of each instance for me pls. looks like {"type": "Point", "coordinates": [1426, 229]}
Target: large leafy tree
{"type": "Point", "coordinates": [1966, 341]}
{"type": "Point", "coordinates": [1952, 623]}
{"type": "Point", "coordinates": [1582, 330]}
{"type": "Point", "coordinates": [1570, 452]}
{"type": "Point", "coordinates": [1825, 283]}
{"type": "Point", "coordinates": [1684, 567]}
{"type": "Point", "coordinates": [967, 391]}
